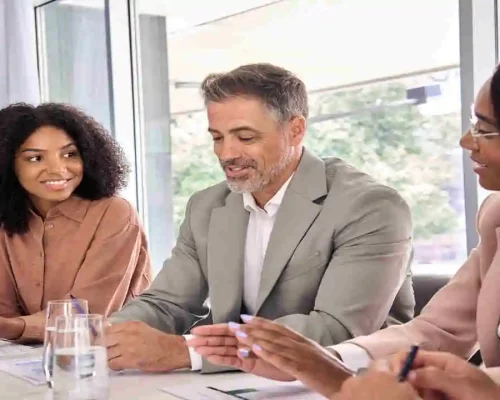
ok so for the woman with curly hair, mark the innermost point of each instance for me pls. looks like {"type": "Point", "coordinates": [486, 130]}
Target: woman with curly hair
{"type": "Point", "coordinates": [63, 231]}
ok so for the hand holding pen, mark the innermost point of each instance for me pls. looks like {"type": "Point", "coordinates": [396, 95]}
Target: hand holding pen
{"type": "Point", "coordinates": [407, 366]}
{"type": "Point", "coordinates": [377, 383]}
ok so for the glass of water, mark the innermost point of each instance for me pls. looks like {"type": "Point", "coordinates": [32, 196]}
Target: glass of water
{"type": "Point", "coordinates": [80, 361]}
{"type": "Point", "coordinates": [56, 309]}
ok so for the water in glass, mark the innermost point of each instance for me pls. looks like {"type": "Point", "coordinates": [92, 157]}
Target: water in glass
{"type": "Point", "coordinates": [80, 362]}
{"type": "Point", "coordinates": [55, 309]}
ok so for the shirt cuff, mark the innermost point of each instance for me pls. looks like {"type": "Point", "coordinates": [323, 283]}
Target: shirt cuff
{"type": "Point", "coordinates": [353, 356]}
{"type": "Point", "coordinates": [196, 359]}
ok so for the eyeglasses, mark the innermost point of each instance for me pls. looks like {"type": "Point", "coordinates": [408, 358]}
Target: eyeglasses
{"type": "Point", "coordinates": [475, 130]}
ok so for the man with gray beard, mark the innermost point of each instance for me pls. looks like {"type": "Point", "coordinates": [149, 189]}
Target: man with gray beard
{"type": "Point", "coordinates": [311, 243]}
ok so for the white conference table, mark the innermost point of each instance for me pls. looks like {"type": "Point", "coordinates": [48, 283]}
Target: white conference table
{"type": "Point", "coordinates": [126, 387]}
{"type": "Point", "coordinates": [132, 385]}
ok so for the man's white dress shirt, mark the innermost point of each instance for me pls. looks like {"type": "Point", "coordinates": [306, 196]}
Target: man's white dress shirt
{"type": "Point", "coordinates": [260, 225]}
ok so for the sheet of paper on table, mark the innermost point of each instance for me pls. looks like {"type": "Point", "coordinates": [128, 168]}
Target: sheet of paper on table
{"type": "Point", "coordinates": [27, 369]}
{"type": "Point", "coordinates": [278, 391]}
{"type": "Point", "coordinates": [9, 349]}
{"type": "Point", "coordinates": [30, 369]}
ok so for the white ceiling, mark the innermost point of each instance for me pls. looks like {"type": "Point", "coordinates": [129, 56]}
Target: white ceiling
{"type": "Point", "coordinates": [185, 14]}
{"type": "Point", "coordinates": [328, 43]}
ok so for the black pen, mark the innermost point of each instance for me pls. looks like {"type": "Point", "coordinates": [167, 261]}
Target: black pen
{"type": "Point", "coordinates": [408, 363]}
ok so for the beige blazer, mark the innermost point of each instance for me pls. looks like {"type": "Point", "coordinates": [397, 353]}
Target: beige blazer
{"type": "Point", "coordinates": [465, 312]}
{"type": "Point", "coordinates": [335, 267]}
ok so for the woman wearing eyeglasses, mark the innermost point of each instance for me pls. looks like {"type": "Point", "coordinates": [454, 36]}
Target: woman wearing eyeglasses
{"type": "Point", "coordinates": [465, 312]}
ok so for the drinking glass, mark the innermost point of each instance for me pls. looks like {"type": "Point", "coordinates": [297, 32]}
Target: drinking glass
{"type": "Point", "coordinates": [55, 309]}
{"type": "Point", "coordinates": [80, 361]}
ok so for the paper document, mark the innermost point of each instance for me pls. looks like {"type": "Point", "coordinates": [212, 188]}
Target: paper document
{"type": "Point", "coordinates": [27, 369]}
{"type": "Point", "coordinates": [197, 392]}
{"type": "Point", "coordinates": [9, 349]}
{"type": "Point", "coordinates": [291, 391]}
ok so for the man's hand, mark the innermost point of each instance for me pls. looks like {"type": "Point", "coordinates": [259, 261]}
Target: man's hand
{"type": "Point", "coordinates": [135, 345]}
{"type": "Point", "coordinates": [375, 385]}
{"type": "Point", "coordinates": [291, 353]}
{"type": "Point", "coordinates": [218, 345]}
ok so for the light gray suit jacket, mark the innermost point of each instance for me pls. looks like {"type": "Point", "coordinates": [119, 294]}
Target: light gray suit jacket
{"type": "Point", "coordinates": [336, 265]}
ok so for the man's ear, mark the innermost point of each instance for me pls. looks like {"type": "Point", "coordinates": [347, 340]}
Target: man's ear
{"type": "Point", "coordinates": [298, 126]}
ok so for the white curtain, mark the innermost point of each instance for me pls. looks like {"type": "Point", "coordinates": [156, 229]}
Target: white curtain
{"type": "Point", "coordinates": [18, 63]}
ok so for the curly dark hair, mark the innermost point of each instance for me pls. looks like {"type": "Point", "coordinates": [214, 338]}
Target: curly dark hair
{"type": "Point", "coordinates": [105, 168]}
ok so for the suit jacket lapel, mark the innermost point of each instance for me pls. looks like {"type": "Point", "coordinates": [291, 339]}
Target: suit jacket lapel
{"type": "Point", "coordinates": [296, 214]}
{"type": "Point", "coordinates": [226, 251]}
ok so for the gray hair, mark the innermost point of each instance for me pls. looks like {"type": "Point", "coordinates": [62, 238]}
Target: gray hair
{"type": "Point", "coordinates": [280, 90]}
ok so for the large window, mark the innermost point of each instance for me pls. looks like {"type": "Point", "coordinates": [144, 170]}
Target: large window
{"type": "Point", "coordinates": [409, 141]}
{"type": "Point", "coordinates": [384, 81]}
{"type": "Point", "coordinates": [387, 102]}
{"type": "Point", "coordinates": [73, 56]}
{"type": "Point", "coordinates": [84, 60]}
